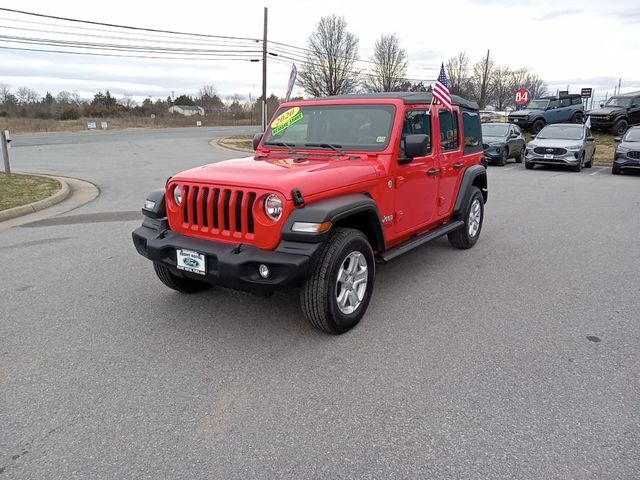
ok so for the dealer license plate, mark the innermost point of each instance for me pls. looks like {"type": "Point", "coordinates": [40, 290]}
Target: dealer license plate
{"type": "Point", "coordinates": [548, 156]}
{"type": "Point", "coordinates": [515, 120]}
{"type": "Point", "coordinates": [191, 261]}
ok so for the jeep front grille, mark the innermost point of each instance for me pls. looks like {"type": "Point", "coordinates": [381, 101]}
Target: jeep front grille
{"type": "Point", "coordinates": [218, 210]}
{"type": "Point", "coordinates": [546, 151]}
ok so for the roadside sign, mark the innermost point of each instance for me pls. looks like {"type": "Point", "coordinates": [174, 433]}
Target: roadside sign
{"type": "Point", "coordinates": [522, 96]}
{"type": "Point", "coordinates": [563, 92]}
{"type": "Point", "coordinates": [586, 92]}
{"type": "Point", "coordinates": [91, 125]}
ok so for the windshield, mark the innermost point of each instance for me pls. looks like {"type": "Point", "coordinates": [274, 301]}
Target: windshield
{"type": "Point", "coordinates": [618, 102]}
{"type": "Point", "coordinates": [562, 132]}
{"type": "Point", "coordinates": [538, 104]}
{"type": "Point", "coordinates": [347, 127]}
{"type": "Point", "coordinates": [489, 130]}
{"type": "Point", "coordinates": [632, 135]}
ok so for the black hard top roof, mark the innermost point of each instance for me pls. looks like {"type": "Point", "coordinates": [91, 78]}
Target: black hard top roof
{"type": "Point", "coordinates": [407, 97]}
{"type": "Point", "coordinates": [630, 94]}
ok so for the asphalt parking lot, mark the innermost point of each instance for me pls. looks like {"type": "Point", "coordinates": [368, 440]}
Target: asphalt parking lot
{"type": "Point", "coordinates": [519, 358]}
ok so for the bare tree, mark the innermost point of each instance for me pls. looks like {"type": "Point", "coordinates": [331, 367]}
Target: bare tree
{"type": "Point", "coordinates": [502, 92]}
{"type": "Point", "coordinates": [329, 68]}
{"type": "Point", "coordinates": [209, 99]}
{"type": "Point", "coordinates": [127, 101]}
{"type": "Point", "coordinates": [27, 95]}
{"type": "Point", "coordinates": [5, 93]}
{"type": "Point", "coordinates": [389, 68]}
{"type": "Point", "coordinates": [479, 84]}
{"type": "Point", "coordinates": [458, 73]}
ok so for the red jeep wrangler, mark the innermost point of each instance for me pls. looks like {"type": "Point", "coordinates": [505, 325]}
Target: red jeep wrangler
{"type": "Point", "coordinates": [335, 185]}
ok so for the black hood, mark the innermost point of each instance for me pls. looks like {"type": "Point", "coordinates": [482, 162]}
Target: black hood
{"type": "Point", "coordinates": [605, 111]}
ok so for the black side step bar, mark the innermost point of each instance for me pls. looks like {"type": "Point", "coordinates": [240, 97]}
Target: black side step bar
{"type": "Point", "coordinates": [412, 243]}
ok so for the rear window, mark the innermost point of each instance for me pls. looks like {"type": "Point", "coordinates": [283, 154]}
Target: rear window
{"type": "Point", "coordinates": [472, 132]}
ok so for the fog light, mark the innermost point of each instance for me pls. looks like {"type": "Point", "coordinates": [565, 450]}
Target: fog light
{"type": "Point", "coordinates": [148, 205]}
{"type": "Point", "coordinates": [264, 271]}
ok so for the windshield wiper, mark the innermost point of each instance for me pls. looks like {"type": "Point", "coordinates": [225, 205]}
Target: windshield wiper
{"type": "Point", "coordinates": [326, 145]}
{"type": "Point", "coordinates": [282, 144]}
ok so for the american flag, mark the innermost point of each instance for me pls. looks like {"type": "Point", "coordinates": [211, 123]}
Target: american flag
{"type": "Point", "coordinates": [441, 95]}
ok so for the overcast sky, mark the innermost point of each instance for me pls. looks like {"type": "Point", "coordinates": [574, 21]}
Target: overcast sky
{"type": "Point", "coordinates": [582, 43]}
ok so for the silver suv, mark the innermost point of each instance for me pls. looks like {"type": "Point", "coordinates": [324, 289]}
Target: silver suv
{"type": "Point", "coordinates": [562, 144]}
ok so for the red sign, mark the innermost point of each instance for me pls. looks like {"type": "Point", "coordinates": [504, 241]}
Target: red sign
{"type": "Point", "coordinates": [522, 96]}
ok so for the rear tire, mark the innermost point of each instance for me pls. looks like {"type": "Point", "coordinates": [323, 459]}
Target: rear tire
{"type": "Point", "coordinates": [577, 118]}
{"type": "Point", "coordinates": [473, 215]}
{"type": "Point", "coordinates": [340, 282]}
{"type": "Point", "coordinates": [183, 285]}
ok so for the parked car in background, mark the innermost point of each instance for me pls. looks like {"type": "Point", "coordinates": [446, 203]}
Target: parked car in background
{"type": "Point", "coordinates": [549, 110]}
{"type": "Point", "coordinates": [501, 142]}
{"type": "Point", "coordinates": [617, 114]}
{"type": "Point", "coordinates": [563, 144]}
{"type": "Point", "coordinates": [627, 155]}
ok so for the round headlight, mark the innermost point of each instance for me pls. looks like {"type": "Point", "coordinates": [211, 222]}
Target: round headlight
{"type": "Point", "coordinates": [177, 195]}
{"type": "Point", "coordinates": [273, 207]}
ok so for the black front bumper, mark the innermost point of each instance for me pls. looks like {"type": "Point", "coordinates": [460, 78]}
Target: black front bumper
{"type": "Point", "coordinates": [623, 162]}
{"type": "Point", "coordinates": [232, 266]}
{"type": "Point", "coordinates": [521, 122]}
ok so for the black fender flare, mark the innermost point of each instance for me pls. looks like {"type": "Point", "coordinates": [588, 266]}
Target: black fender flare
{"type": "Point", "coordinates": [476, 175]}
{"type": "Point", "coordinates": [159, 208]}
{"type": "Point", "coordinates": [336, 210]}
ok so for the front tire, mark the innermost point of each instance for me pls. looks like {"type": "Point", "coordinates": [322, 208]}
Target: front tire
{"type": "Point", "coordinates": [473, 215]}
{"type": "Point", "coordinates": [502, 161]}
{"type": "Point", "coordinates": [528, 165]}
{"type": "Point", "coordinates": [183, 285]}
{"type": "Point", "coordinates": [520, 155]}
{"type": "Point", "coordinates": [537, 126]}
{"type": "Point", "coordinates": [615, 170]}
{"type": "Point", "coordinates": [578, 168]}
{"type": "Point", "coordinates": [340, 283]}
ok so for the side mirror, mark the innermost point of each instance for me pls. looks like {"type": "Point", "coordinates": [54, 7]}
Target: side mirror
{"type": "Point", "coordinates": [256, 140]}
{"type": "Point", "coordinates": [590, 139]}
{"type": "Point", "coordinates": [617, 139]}
{"type": "Point", "coordinates": [416, 145]}
{"type": "Point", "coordinates": [513, 135]}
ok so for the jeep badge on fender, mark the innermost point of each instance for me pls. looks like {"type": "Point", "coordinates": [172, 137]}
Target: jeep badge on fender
{"type": "Point", "coordinates": [336, 185]}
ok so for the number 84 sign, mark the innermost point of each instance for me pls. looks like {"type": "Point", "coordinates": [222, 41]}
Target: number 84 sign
{"type": "Point", "coordinates": [522, 96]}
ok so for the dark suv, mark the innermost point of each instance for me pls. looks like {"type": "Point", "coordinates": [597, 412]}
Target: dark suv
{"type": "Point", "coordinates": [617, 114]}
{"type": "Point", "coordinates": [547, 110]}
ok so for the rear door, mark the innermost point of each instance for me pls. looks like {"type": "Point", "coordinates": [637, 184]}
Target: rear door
{"type": "Point", "coordinates": [416, 181]}
{"type": "Point", "coordinates": [450, 158]}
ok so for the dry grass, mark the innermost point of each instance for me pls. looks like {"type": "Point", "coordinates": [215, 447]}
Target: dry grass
{"type": "Point", "coordinates": [238, 141]}
{"type": "Point", "coordinates": [35, 125]}
{"type": "Point", "coordinates": [17, 190]}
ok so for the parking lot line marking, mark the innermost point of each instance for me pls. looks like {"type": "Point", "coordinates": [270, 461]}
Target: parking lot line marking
{"type": "Point", "coordinates": [507, 169]}
{"type": "Point", "coordinates": [598, 171]}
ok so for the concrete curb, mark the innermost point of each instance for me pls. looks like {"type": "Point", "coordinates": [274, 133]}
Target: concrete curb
{"type": "Point", "coordinates": [54, 199]}
{"type": "Point", "coordinates": [219, 143]}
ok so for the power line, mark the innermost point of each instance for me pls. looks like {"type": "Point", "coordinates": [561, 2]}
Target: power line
{"type": "Point", "coordinates": [128, 27]}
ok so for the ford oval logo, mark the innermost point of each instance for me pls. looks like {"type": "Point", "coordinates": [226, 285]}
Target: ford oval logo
{"type": "Point", "coordinates": [550, 150]}
{"type": "Point", "coordinates": [191, 262]}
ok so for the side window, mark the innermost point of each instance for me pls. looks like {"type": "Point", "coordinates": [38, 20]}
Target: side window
{"type": "Point", "coordinates": [448, 130]}
{"type": "Point", "coordinates": [553, 104]}
{"type": "Point", "coordinates": [635, 103]}
{"type": "Point", "coordinates": [415, 122]}
{"type": "Point", "coordinates": [517, 130]}
{"type": "Point", "coordinates": [564, 102]}
{"type": "Point", "coordinates": [576, 101]}
{"type": "Point", "coordinates": [472, 132]}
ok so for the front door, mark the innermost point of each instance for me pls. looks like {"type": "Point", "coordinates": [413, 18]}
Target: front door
{"type": "Point", "coordinates": [416, 181]}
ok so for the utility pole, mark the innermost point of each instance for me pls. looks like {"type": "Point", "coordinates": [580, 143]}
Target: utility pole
{"type": "Point", "coordinates": [264, 73]}
{"type": "Point", "coordinates": [619, 84]}
{"type": "Point", "coordinates": [485, 80]}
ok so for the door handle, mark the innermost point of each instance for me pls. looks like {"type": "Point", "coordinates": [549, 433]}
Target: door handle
{"type": "Point", "coordinates": [432, 172]}
{"type": "Point", "coordinates": [458, 166]}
